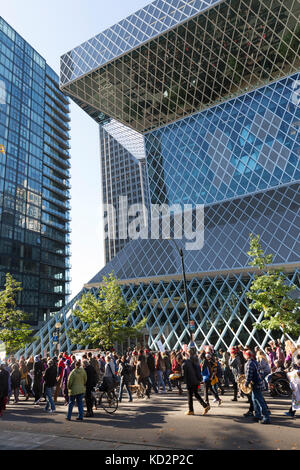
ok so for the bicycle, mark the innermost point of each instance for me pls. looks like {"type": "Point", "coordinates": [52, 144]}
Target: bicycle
{"type": "Point", "coordinates": [107, 399]}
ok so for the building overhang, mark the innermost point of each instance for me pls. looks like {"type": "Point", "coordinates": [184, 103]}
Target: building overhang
{"type": "Point", "coordinates": [217, 50]}
{"type": "Point", "coordinates": [287, 268]}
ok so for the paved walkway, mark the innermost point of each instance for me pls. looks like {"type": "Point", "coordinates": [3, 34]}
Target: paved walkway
{"type": "Point", "coordinates": [158, 423]}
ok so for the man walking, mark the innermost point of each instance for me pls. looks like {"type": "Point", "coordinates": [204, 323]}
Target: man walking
{"type": "Point", "coordinates": [261, 411]}
{"type": "Point", "coordinates": [49, 384]}
{"type": "Point", "coordinates": [193, 378]}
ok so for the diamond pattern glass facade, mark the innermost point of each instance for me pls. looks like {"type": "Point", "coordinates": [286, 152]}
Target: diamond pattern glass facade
{"type": "Point", "coordinates": [34, 177]}
{"type": "Point", "coordinates": [210, 86]}
{"type": "Point", "coordinates": [248, 144]}
{"type": "Point", "coordinates": [219, 52]}
{"type": "Point", "coordinates": [218, 306]}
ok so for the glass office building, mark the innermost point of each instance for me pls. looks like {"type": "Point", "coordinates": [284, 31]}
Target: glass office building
{"type": "Point", "coordinates": [124, 182]}
{"type": "Point", "coordinates": [213, 87]}
{"type": "Point", "coordinates": [34, 178]}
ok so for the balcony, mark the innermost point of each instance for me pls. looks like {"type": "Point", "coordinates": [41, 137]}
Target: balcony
{"type": "Point", "coordinates": [54, 87]}
{"type": "Point", "coordinates": [65, 135]}
{"type": "Point", "coordinates": [60, 113]}
{"type": "Point", "coordinates": [53, 144]}
{"type": "Point", "coordinates": [53, 154]}
{"type": "Point", "coordinates": [57, 118]}
{"type": "Point", "coordinates": [48, 184]}
{"type": "Point", "coordinates": [51, 164]}
{"type": "Point", "coordinates": [58, 180]}
{"type": "Point", "coordinates": [64, 108]}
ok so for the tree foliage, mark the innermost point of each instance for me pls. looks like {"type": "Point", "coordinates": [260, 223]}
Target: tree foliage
{"type": "Point", "coordinates": [107, 317]}
{"type": "Point", "coordinates": [14, 332]}
{"type": "Point", "coordinates": [271, 292]}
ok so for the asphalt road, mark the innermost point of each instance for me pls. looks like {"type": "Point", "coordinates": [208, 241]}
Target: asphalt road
{"type": "Point", "coordinates": [158, 423]}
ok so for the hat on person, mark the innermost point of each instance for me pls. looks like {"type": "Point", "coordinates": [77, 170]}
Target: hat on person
{"type": "Point", "coordinates": [233, 350]}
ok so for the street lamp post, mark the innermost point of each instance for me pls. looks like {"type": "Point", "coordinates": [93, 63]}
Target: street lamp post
{"type": "Point", "coordinates": [180, 251]}
{"type": "Point", "coordinates": [56, 336]}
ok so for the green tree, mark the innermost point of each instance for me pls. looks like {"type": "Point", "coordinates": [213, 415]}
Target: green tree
{"type": "Point", "coordinates": [271, 293]}
{"type": "Point", "coordinates": [107, 317]}
{"type": "Point", "coordinates": [14, 332]}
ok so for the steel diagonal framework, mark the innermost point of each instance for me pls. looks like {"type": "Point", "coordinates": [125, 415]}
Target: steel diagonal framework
{"type": "Point", "coordinates": [230, 48]}
{"type": "Point", "coordinates": [222, 330]}
{"type": "Point", "coordinates": [211, 86]}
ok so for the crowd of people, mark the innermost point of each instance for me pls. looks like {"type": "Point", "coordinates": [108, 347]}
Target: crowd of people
{"type": "Point", "coordinates": [67, 376]}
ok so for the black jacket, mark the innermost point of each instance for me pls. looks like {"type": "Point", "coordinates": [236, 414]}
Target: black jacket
{"type": "Point", "coordinates": [92, 377]}
{"type": "Point", "coordinates": [192, 374]}
{"type": "Point", "coordinates": [4, 378]}
{"type": "Point", "coordinates": [15, 378]}
{"type": "Point", "coordinates": [50, 376]}
{"type": "Point", "coordinates": [151, 363]}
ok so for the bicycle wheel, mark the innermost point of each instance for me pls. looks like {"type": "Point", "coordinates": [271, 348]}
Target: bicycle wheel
{"type": "Point", "coordinates": [282, 388]}
{"type": "Point", "coordinates": [109, 401]}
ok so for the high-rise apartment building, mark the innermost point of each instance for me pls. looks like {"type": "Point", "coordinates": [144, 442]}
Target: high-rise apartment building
{"type": "Point", "coordinates": [34, 177]}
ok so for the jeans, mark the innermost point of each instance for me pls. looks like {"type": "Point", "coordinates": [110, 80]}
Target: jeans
{"type": "Point", "coordinates": [166, 378]}
{"type": "Point", "coordinates": [152, 380]}
{"type": "Point", "coordinates": [49, 399]}
{"type": "Point", "coordinates": [160, 381]}
{"type": "Point", "coordinates": [124, 383]}
{"type": "Point", "coordinates": [23, 386]}
{"type": "Point", "coordinates": [259, 404]}
{"type": "Point", "coordinates": [79, 401]}
{"type": "Point", "coordinates": [16, 392]}
{"type": "Point", "coordinates": [207, 387]}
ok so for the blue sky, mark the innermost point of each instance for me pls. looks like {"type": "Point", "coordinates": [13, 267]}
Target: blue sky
{"type": "Point", "coordinates": [53, 27]}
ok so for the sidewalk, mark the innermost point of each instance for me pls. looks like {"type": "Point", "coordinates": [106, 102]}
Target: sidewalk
{"type": "Point", "coordinates": [158, 423]}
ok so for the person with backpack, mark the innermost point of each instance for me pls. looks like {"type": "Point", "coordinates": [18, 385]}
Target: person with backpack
{"type": "Point", "coordinates": [125, 372]}
{"type": "Point", "coordinates": [209, 370]}
{"type": "Point", "coordinates": [193, 378]}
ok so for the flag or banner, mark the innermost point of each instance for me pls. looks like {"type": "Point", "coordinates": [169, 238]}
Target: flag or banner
{"type": "Point", "coordinates": [2, 149]}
